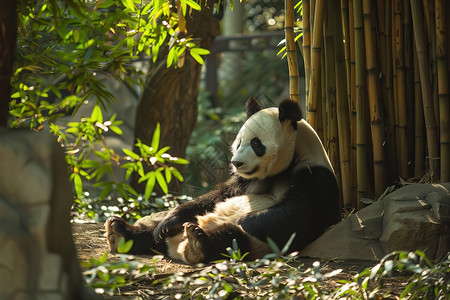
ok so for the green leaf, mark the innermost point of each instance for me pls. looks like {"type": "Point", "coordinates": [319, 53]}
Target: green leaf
{"type": "Point", "coordinates": [130, 189]}
{"type": "Point", "coordinates": [200, 51]}
{"type": "Point", "coordinates": [78, 184]}
{"type": "Point", "coordinates": [162, 182]}
{"type": "Point", "coordinates": [96, 115]}
{"type": "Point", "coordinates": [124, 247]}
{"type": "Point", "coordinates": [155, 138]}
{"type": "Point", "coordinates": [197, 58]}
{"type": "Point", "coordinates": [194, 5]}
{"type": "Point", "coordinates": [116, 129]}
{"type": "Point", "coordinates": [177, 174]}
{"type": "Point", "coordinates": [183, 6]}
{"type": "Point", "coordinates": [168, 174]}
{"type": "Point", "coordinates": [180, 161]}
{"type": "Point", "coordinates": [131, 154]}
{"type": "Point", "coordinates": [104, 155]}
{"type": "Point", "coordinates": [104, 276]}
{"type": "Point", "coordinates": [171, 57]}
{"type": "Point", "coordinates": [129, 4]}
{"type": "Point", "coordinates": [122, 190]}
{"type": "Point", "coordinates": [105, 192]}
{"type": "Point", "coordinates": [288, 244]}
{"type": "Point", "coordinates": [273, 246]}
{"type": "Point", "coordinates": [163, 150]}
{"type": "Point", "coordinates": [150, 185]}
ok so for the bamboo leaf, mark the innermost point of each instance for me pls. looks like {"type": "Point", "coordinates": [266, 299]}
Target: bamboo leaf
{"type": "Point", "coordinates": [162, 182]}
{"type": "Point", "coordinates": [124, 247]}
{"type": "Point", "coordinates": [155, 138]}
{"type": "Point", "coordinates": [180, 161]}
{"type": "Point", "coordinates": [177, 174]}
{"type": "Point", "coordinates": [96, 115]}
{"type": "Point", "coordinates": [168, 175]}
{"type": "Point", "coordinates": [105, 191]}
{"type": "Point", "coordinates": [194, 5]}
{"type": "Point", "coordinates": [78, 184]}
{"type": "Point", "coordinates": [197, 58]}
{"type": "Point", "coordinates": [131, 154]}
{"type": "Point", "coordinates": [116, 129]}
{"type": "Point", "coordinates": [150, 185]}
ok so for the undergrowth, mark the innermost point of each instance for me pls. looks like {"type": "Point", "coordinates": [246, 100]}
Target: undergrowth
{"type": "Point", "coordinates": [279, 277]}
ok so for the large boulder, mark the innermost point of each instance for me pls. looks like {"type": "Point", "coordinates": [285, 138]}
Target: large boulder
{"type": "Point", "coordinates": [414, 217]}
{"type": "Point", "coordinates": [37, 254]}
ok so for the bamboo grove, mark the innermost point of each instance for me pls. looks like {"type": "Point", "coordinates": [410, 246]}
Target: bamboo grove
{"type": "Point", "coordinates": [377, 81]}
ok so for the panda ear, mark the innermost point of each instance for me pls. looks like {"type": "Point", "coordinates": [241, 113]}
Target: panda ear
{"type": "Point", "coordinates": [289, 110]}
{"type": "Point", "coordinates": [252, 107]}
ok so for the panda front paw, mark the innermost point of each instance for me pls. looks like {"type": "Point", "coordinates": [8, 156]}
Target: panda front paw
{"type": "Point", "coordinates": [116, 228]}
{"type": "Point", "coordinates": [170, 226]}
{"type": "Point", "coordinates": [197, 241]}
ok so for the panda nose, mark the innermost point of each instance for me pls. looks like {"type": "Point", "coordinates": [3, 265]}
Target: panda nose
{"type": "Point", "coordinates": [237, 164]}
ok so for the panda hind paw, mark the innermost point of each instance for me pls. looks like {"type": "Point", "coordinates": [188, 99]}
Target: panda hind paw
{"type": "Point", "coordinates": [195, 251]}
{"type": "Point", "coordinates": [116, 228]}
{"type": "Point", "coordinates": [194, 233]}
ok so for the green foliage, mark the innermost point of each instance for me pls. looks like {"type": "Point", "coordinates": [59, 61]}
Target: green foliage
{"type": "Point", "coordinates": [106, 276]}
{"type": "Point", "coordinates": [64, 47]}
{"type": "Point", "coordinates": [81, 139]}
{"type": "Point", "coordinates": [287, 278]}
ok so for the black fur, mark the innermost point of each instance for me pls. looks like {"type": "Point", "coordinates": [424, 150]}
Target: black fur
{"type": "Point", "coordinates": [307, 209]}
{"type": "Point", "coordinates": [289, 110]}
{"type": "Point", "coordinates": [258, 147]}
{"type": "Point", "coordinates": [252, 107]}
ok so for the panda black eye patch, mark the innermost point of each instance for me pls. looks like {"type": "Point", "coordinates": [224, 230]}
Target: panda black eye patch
{"type": "Point", "coordinates": [258, 147]}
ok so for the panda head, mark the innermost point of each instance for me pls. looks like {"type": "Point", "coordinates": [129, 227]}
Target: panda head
{"type": "Point", "coordinates": [265, 144]}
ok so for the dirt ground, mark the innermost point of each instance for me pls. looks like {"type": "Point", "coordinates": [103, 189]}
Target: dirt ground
{"type": "Point", "coordinates": [90, 242]}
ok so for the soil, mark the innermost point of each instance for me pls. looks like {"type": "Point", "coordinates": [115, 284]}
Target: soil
{"type": "Point", "coordinates": [90, 242]}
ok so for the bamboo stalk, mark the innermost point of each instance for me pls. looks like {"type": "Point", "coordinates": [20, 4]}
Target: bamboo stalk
{"type": "Point", "coordinates": [346, 38]}
{"type": "Point", "coordinates": [342, 67]}
{"type": "Point", "coordinates": [306, 46]}
{"type": "Point", "coordinates": [322, 119]}
{"type": "Point", "coordinates": [442, 76]}
{"type": "Point", "coordinates": [389, 93]}
{"type": "Point", "coordinates": [380, 11]}
{"type": "Point", "coordinates": [315, 62]}
{"type": "Point", "coordinates": [409, 80]}
{"type": "Point", "coordinates": [402, 139]}
{"type": "Point", "coordinates": [291, 52]}
{"type": "Point", "coordinates": [361, 105]}
{"type": "Point", "coordinates": [433, 62]}
{"type": "Point", "coordinates": [427, 20]}
{"type": "Point", "coordinates": [330, 90]}
{"type": "Point", "coordinates": [376, 108]}
{"type": "Point", "coordinates": [419, 138]}
{"type": "Point", "coordinates": [320, 110]}
{"type": "Point", "coordinates": [352, 105]}
{"type": "Point", "coordinates": [428, 106]}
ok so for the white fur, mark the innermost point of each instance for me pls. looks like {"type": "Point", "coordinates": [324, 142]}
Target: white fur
{"type": "Point", "coordinates": [277, 137]}
{"type": "Point", "coordinates": [232, 209]}
{"type": "Point", "coordinates": [309, 148]}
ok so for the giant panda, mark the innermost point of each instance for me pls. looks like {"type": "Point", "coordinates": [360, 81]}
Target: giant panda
{"type": "Point", "coordinates": [282, 183]}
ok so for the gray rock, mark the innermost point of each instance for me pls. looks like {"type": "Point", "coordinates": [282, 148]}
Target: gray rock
{"type": "Point", "coordinates": [37, 254]}
{"type": "Point", "coordinates": [414, 217]}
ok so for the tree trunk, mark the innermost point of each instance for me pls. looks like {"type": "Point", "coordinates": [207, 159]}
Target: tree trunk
{"type": "Point", "coordinates": [170, 94]}
{"type": "Point", "coordinates": [8, 34]}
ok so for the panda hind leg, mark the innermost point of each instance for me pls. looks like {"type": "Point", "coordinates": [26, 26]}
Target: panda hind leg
{"type": "Point", "coordinates": [141, 233]}
{"type": "Point", "coordinates": [196, 244]}
{"type": "Point", "coordinates": [206, 246]}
